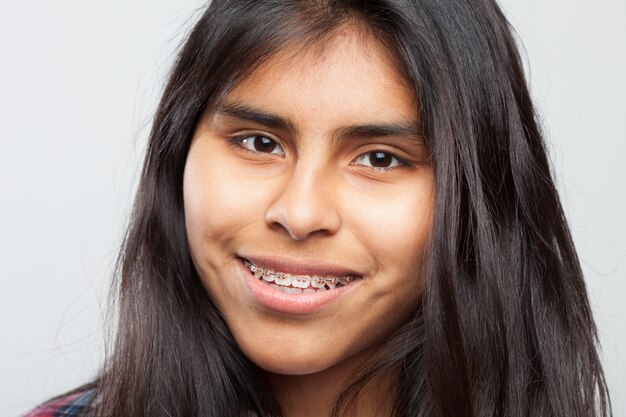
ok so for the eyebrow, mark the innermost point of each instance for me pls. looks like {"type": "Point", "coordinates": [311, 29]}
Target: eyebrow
{"type": "Point", "coordinates": [412, 130]}
{"type": "Point", "coordinates": [251, 114]}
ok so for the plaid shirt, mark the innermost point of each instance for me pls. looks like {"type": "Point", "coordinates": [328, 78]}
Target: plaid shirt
{"type": "Point", "coordinates": [72, 405]}
{"type": "Point", "coordinates": [69, 406]}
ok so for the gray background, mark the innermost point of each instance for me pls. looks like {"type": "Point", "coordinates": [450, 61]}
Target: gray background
{"type": "Point", "coordinates": [79, 81]}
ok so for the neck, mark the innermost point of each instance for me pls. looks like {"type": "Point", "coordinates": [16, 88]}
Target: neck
{"type": "Point", "coordinates": [314, 395]}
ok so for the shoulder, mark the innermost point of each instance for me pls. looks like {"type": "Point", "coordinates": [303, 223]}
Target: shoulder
{"type": "Point", "coordinates": [71, 405]}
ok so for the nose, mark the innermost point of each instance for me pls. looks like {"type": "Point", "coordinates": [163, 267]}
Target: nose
{"type": "Point", "coordinates": [305, 204]}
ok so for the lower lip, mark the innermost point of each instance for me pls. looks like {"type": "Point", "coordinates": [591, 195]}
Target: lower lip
{"type": "Point", "coordinates": [279, 301]}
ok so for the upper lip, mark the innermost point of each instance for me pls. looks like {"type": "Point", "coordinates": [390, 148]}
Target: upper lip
{"type": "Point", "coordinates": [301, 266]}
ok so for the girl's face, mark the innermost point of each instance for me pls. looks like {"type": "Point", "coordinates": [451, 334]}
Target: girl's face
{"type": "Point", "coordinates": [312, 167]}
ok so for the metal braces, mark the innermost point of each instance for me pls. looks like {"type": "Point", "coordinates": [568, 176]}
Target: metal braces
{"type": "Point", "coordinates": [301, 278]}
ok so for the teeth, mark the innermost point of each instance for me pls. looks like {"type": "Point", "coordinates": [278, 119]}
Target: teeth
{"type": "Point", "coordinates": [286, 290]}
{"type": "Point", "coordinates": [300, 281]}
{"type": "Point", "coordinates": [317, 282]}
{"type": "Point", "coordinates": [283, 279]}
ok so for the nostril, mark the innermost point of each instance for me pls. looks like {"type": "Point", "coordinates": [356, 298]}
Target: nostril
{"type": "Point", "coordinates": [300, 223]}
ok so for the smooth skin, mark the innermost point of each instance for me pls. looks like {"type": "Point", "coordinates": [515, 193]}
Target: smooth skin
{"type": "Point", "coordinates": [311, 180]}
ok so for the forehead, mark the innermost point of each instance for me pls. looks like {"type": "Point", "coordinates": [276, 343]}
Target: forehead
{"type": "Point", "coordinates": [347, 75]}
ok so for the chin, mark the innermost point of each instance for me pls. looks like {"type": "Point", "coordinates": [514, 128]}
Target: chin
{"type": "Point", "coordinates": [291, 364]}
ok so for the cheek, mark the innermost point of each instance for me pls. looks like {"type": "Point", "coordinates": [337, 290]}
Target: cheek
{"type": "Point", "coordinates": [216, 208]}
{"type": "Point", "coordinates": [395, 227]}
{"type": "Point", "coordinates": [394, 230]}
{"type": "Point", "coordinates": [217, 203]}
{"type": "Point", "coordinates": [205, 202]}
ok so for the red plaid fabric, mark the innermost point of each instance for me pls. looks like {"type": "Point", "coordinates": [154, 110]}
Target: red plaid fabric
{"type": "Point", "coordinates": [69, 406]}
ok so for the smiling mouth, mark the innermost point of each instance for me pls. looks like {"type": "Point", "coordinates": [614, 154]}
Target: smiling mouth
{"type": "Point", "coordinates": [297, 284]}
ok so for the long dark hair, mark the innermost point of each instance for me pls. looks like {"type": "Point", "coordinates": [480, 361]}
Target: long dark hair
{"type": "Point", "coordinates": [504, 326]}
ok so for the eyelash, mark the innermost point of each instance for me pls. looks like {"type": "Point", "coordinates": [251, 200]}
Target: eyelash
{"type": "Point", "coordinates": [241, 141]}
{"type": "Point", "coordinates": [399, 162]}
{"type": "Point", "coordinates": [396, 161]}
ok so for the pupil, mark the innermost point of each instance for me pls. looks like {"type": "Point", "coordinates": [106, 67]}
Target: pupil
{"type": "Point", "coordinates": [263, 144]}
{"type": "Point", "coordinates": [380, 159]}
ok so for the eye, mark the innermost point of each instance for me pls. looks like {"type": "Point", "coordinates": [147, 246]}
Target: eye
{"type": "Point", "coordinates": [379, 160]}
{"type": "Point", "coordinates": [259, 144]}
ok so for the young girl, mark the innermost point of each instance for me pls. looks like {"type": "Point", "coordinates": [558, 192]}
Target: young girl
{"type": "Point", "coordinates": [346, 209]}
